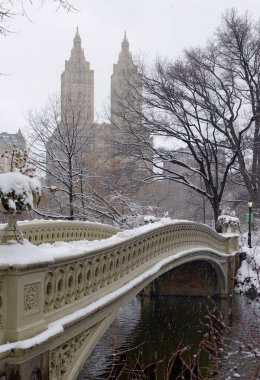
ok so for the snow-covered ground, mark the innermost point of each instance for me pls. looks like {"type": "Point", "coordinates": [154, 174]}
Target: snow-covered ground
{"type": "Point", "coordinates": [248, 276]}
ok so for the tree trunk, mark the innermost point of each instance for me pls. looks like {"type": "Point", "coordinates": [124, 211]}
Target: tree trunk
{"type": "Point", "coordinates": [216, 210]}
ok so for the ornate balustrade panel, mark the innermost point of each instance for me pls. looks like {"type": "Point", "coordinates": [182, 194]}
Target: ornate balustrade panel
{"type": "Point", "coordinates": [22, 292]}
{"type": "Point", "coordinates": [87, 277]}
{"type": "Point", "coordinates": [51, 231]}
{"type": "Point", "coordinates": [35, 293]}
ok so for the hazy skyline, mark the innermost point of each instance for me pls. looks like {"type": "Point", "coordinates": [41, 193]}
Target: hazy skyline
{"type": "Point", "coordinates": [33, 55]}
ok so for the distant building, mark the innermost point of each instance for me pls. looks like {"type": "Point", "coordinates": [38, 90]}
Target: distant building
{"type": "Point", "coordinates": [125, 87]}
{"type": "Point", "coordinates": [77, 83]}
{"type": "Point", "coordinates": [77, 92]}
{"type": "Point", "coordinates": [77, 100]}
{"type": "Point", "coordinates": [7, 142]}
{"type": "Point", "coordinates": [105, 156]}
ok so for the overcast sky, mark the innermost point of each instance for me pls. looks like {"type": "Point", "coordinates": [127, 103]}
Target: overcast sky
{"type": "Point", "coordinates": [33, 56]}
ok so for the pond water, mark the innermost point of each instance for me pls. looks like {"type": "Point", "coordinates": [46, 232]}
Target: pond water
{"type": "Point", "coordinates": [150, 329]}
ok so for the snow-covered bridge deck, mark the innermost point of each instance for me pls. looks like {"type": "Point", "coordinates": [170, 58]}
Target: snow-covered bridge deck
{"type": "Point", "coordinates": [57, 301]}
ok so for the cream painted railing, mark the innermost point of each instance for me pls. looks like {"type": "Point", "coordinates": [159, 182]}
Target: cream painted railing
{"type": "Point", "coordinates": [38, 232]}
{"type": "Point", "coordinates": [32, 296]}
{"type": "Point", "coordinates": [99, 271]}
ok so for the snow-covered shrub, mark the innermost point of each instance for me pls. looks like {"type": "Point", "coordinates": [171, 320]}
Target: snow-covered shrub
{"type": "Point", "coordinates": [18, 192]}
{"type": "Point", "coordinates": [228, 221]}
{"type": "Point", "coordinates": [145, 215]}
{"type": "Point", "coordinates": [134, 221]}
{"type": "Point", "coordinates": [149, 219]}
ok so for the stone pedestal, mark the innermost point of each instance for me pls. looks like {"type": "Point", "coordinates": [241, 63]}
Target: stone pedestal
{"type": "Point", "coordinates": [36, 368]}
{"type": "Point", "coordinates": [11, 231]}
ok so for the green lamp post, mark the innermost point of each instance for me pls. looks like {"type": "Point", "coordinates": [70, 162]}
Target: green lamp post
{"type": "Point", "coordinates": [250, 205]}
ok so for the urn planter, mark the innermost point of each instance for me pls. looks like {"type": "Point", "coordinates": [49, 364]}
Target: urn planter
{"type": "Point", "coordinates": [11, 231]}
{"type": "Point", "coordinates": [18, 194]}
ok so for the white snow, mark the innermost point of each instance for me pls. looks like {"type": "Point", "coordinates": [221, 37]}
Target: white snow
{"type": "Point", "coordinates": [16, 254]}
{"type": "Point", "coordinates": [52, 330]}
{"type": "Point", "coordinates": [150, 218]}
{"type": "Point", "coordinates": [11, 204]}
{"type": "Point", "coordinates": [249, 273]}
{"type": "Point", "coordinates": [228, 219]}
{"type": "Point", "coordinates": [22, 185]}
{"type": "Point", "coordinates": [58, 326]}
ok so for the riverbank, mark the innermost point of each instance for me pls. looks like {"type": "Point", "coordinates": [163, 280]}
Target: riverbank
{"type": "Point", "coordinates": [248, 275]}
{"type": "Point", "coordinates": [157, 325]}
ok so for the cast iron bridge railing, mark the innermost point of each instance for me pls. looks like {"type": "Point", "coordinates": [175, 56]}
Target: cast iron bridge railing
{"type": "Point", "coordinates": [56, 308]}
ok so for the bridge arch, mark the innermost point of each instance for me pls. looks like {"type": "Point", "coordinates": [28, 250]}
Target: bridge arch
{"type": "Point", "coordinates": [66, 302]}
{"type": "Point", "coordinates": [196, 275]}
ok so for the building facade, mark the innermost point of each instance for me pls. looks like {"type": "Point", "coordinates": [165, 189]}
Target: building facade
{"type": "Point", "coordinates": [77, 93]}
{"type": "Point", "coordinates": [125, 88]}
{"type": "Point", "coordinates": [108, 155]}
{"type": "Point", "coordinates": [77, 83]}
{"type": "Point", "coordinates": [7, 143]}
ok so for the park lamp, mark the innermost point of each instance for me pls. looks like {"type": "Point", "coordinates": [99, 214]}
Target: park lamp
{"type": "Point", "coordinates": [250, 205]}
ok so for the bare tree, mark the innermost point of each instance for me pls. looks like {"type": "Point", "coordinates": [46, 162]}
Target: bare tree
{"type": "Point", "coordinates": [82, 181]}
{"type": "Point", "coordinates": [237, 46]}
{"type": "Point", "coordinates": [60, 140]}
{"type": "Point", "coordinates": [11, 8]}
{"type": "Point", "coordinates": [207, 105]}
{"type": "Point", "coordinates": [184, 101]}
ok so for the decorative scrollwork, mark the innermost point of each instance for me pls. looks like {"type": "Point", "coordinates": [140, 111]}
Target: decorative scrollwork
{"type": "Point", "coordinates": [49, 289]}
{"type": "Point", "coordinates": [96, 273]}
{"type": "Point", "coordinates": [70, 286]}
{"type": "Point", "coordinates": [70, 282]}
{"type": "Point", "coordinates": [88, 276]}
{"type": "Point", "coordinates": [79, 280]}
{"type": "Point", "coordinates": [111, 269]}
{"type": "Point", "coordinates": [31, 297]}
{"type": "Point", "coordinates": [60, 287]}
{"type": "Point", "coordinates": [62, 357]}
{"type": "Point", "coordinates": [48, 231]}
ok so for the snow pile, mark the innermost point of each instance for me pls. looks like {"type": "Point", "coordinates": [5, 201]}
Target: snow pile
{"type": "Point", "coordinates": [248, 276]}
{"type": "Point", "coordinates": [148, 227]}
{"type": "Point", "coordinates": [228, 221]}
{"type": "Point", "coordinates": [150, 219]}
{"type": "Point", "coordinates": [63, 249]}
{"type": "Point", "coordinates": [18, 191]}
{"type": "Point", "coordinates": [17, 254]}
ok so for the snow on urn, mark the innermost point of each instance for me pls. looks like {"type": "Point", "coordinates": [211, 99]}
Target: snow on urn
{"type": "Point", "coordinates": [19, 192]}
{"type": "Point", "coordinates": [228, 221]}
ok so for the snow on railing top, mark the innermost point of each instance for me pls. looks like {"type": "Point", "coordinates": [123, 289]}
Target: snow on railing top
{"type": "Point", "coordinates": [15, 254]}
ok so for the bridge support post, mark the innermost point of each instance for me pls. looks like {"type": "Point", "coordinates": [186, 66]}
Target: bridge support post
{"type": "Point", "coordinates": [24, 315]}
{"type": "Point", "coordinates": [150, 290]}
{"type": "Point", "coordinates": [233, 265]}
{"type": "Point", "coordinates": [36, 368]}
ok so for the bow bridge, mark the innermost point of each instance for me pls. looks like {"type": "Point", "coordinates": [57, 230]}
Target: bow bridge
{"type": "Point", "coordinates": [55, 307]}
